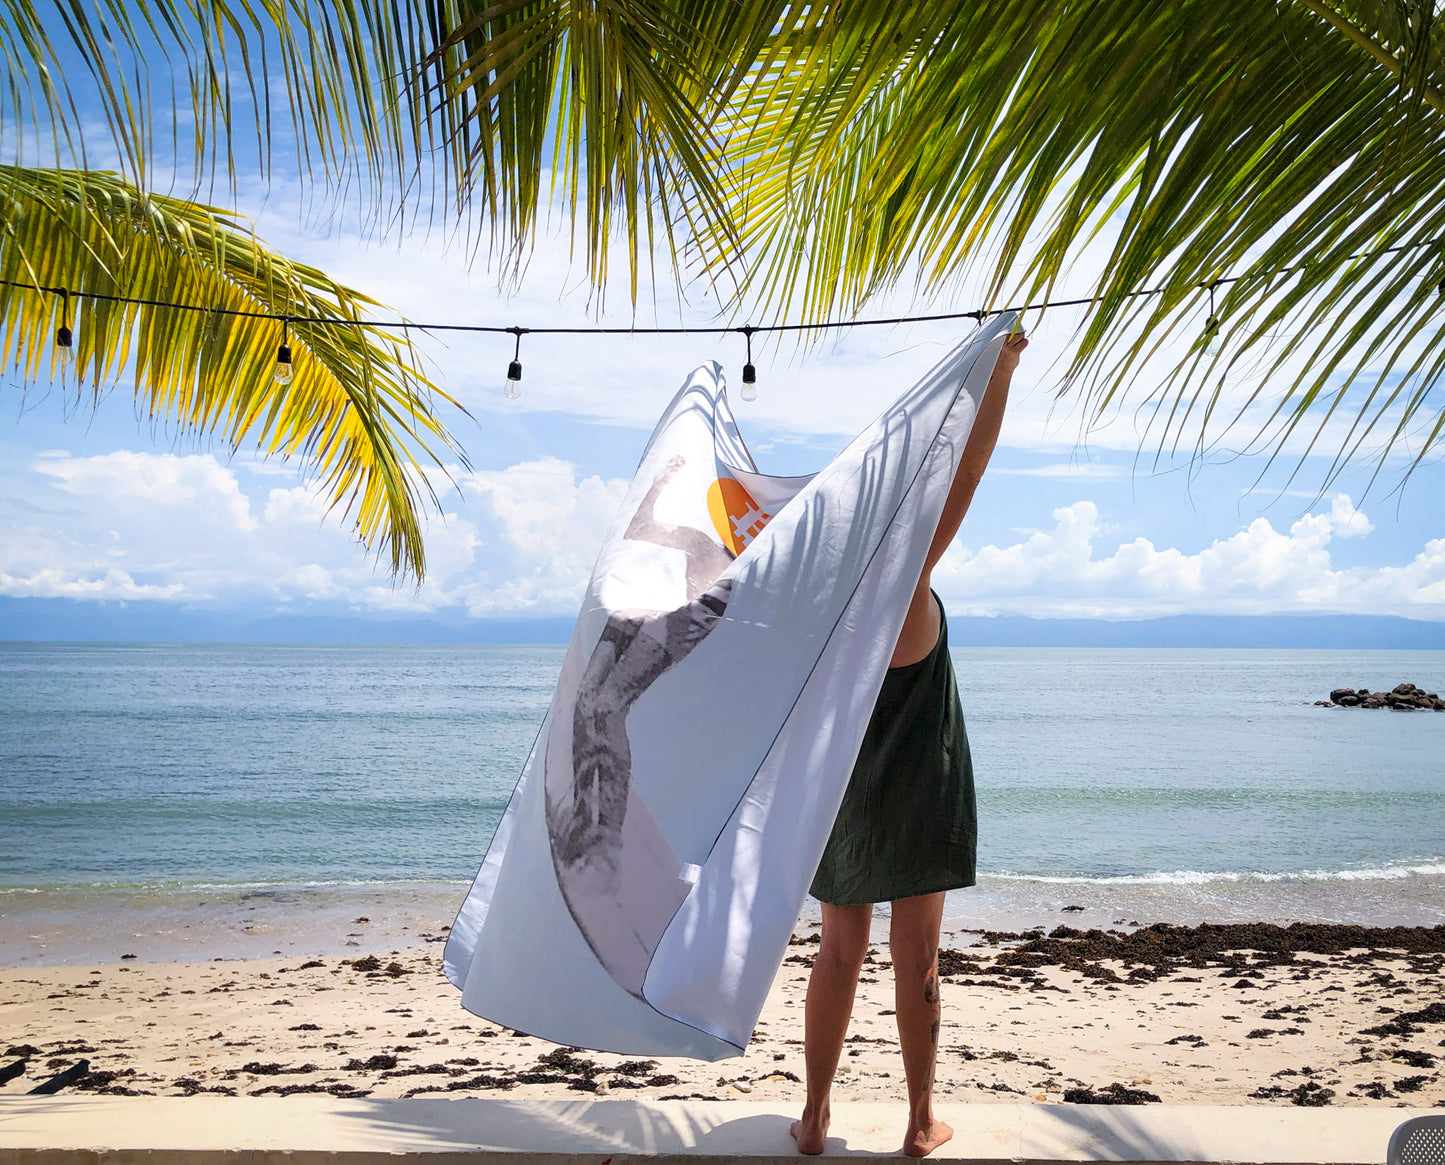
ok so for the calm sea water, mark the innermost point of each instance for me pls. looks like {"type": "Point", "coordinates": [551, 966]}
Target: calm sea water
{"type": "Point", "coordinates": [1183, 783]}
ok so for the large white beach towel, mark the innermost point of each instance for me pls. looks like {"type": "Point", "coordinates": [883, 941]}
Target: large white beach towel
{"type": "Point", "coordinates": [641, 888]}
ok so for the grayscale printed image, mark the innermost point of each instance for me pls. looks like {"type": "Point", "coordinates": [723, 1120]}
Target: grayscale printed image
{"type": "Point", "coordinates": [618, 875]}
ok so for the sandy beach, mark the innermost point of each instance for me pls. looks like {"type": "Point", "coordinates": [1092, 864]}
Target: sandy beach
{"type": "Point", "coordinates": [1248, 1014]}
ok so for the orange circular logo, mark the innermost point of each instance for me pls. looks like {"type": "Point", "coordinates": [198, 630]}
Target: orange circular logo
{"type": "Point", "coordinates": [736, 517]}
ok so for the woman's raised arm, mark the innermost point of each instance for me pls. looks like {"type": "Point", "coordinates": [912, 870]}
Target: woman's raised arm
{"type": "Point", "coordinates": [921, 625]}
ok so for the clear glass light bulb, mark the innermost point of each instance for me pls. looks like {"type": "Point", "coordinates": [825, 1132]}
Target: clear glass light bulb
{"type": "Point", "coordinates": [64, 349]}
{"type": "Point", "coordinates": [283, 371]}
{"type": "Point", "coordinates": [511, 389]}
{"type": "Point", "coordinates": [1212, 346]}
{"type": "Point", "coordinates": [749, 392]}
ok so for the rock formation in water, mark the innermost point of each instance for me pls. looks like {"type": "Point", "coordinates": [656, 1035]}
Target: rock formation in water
{"type": "Point", "coordinates": [1402, 698]}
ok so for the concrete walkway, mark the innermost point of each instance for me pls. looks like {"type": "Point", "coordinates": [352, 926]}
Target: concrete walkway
{"type": "Point", "coordinates": [323, 1131]}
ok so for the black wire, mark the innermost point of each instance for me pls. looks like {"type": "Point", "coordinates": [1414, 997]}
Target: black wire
{"type": "Point", "coordinates": [746, 330]}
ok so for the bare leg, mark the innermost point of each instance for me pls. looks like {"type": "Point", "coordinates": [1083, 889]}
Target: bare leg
{"type": "Point", "coordinates": [913, 940]}
{"type": "Point", "coordinates": [829, 1007]}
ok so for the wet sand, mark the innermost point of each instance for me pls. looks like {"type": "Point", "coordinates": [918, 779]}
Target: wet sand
{"type": "Point", "coordinates": [1245, 1014]}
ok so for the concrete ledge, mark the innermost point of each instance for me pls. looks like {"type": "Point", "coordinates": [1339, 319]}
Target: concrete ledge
{"type": "Point", "coordinates": [322, 1131]}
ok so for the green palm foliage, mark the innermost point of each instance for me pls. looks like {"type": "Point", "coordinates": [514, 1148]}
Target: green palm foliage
{"type": "Point", "coordinates": [357, 411]}
{"type": "Point", "coordinates": [121, 84]}
{"type": "Point", "coordinates": [1271, 142]}
{"type": "Point", "coordinates": [1259, 147]}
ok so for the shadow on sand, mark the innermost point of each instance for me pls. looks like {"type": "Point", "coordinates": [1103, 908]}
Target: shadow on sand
{"type": "Point", "coordinates": [582, 1128]}
{"type": "Point", "coordinates": [984, 1133]}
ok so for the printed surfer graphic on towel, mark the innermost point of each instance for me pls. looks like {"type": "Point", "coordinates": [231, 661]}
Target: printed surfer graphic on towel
{"type": "Point", "coordinates": [620, 878]}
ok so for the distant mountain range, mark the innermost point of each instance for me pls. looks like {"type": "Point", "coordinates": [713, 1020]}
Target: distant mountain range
{"type": "Point", "coordinates": [65, 620]}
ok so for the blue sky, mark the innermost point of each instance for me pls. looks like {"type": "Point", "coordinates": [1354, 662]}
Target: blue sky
{"type": "Point", "coordinates": [98, 506]}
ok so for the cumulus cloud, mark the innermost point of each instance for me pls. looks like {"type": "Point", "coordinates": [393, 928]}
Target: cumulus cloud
{"type": "Point", "coordinates": [548, 526]}
{"type": "Point", "coordinates": [97, 582]}
{"type": "Point", "coordinates": [163, 480]}
{"type": "Point", "coordinates": [521, 541]}
{"type": "Point", "coordinates": [1070, 570]}
{"type": "Point", "coordinates": [515, 541]}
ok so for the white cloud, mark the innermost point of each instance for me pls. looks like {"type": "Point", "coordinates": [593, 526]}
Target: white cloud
{"type": "Point", "coordinates": [1257, 570]}
{"type": "Point", "coordinates": [297, 504]}
{"type": "Point", "coordinates": [154, 480]}
{"type": "Point", "coordinates": [518, 541]}
{"type": "Point", "coordinates": [96, 583]}
{"type": "Point", "coordinates": [1346, 520]}
{"type": "Point", "coordinates": [548, 526]}
{"type": "Point", "coordinates": [521, 541]}
{"type": "Point", "coordinates": [1063, 471]}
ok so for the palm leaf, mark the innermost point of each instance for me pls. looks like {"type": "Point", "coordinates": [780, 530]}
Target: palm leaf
{"type": "Point", "coordinates": [342, 84]}
{"type": "Point", "coordinates": [463, 105]}
{"type": "Point", "coordinates": [358, 413]}
{"type": "Point", "coordinates": [1211, 138]}
{"type": "Point", "coordinates": [811, 157]}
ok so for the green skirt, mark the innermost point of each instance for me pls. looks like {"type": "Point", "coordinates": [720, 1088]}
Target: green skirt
{"type": "Point", "coordinates": [907, 824]}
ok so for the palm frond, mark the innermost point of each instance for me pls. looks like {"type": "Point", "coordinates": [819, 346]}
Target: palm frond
{"type": "Point", "coordinates": [122, 83]}
{"type": "Point", "coordinates": [605, 106]}
{"type": "Point", "coordinates": [1209, 138]}
{"type": "Point", "coordinates": [820, 154]}
{"type": "Point", "coordinates": [462, 106]}
{"type": "Point", "coordinates": [358, 413]}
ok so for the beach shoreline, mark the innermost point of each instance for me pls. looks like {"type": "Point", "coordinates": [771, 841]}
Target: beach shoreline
{"type": "Point", "coordinates": [89, 924]}
{"type": "Point", "coordinates": [1248, 1014]}
{"type": "Point", "coordinates": [74, 925]}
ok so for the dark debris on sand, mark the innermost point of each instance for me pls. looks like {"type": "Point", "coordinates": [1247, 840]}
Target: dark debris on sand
{"type": "Point", "coordinates": [560, 1066]}
{"type": "Point", "coordinates": [1306, 1095]}
{"type": "Point", "coordinates": [1111, 1094]}
{"type": "Point", "coordinates": [1408, 1023]}
{"type": "Point", "coordinates": [1155, 951]}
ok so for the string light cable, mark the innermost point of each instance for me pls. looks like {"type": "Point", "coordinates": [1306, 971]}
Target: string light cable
{"type": "Point", "coordinates": [284, 369]}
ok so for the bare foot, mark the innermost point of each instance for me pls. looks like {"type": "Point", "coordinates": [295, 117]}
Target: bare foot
{"type": "Point", "coordinates": [923, 1139]}
{"type": "Point", "coordinates": [811, 1133]}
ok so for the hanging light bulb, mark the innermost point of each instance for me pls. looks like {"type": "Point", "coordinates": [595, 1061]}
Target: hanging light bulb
{"type": "Point", "coordinates": [750, 374]}
{"type": "Point", "coordinates": [1211, 337]}
{"type": "Point", "coordinates": [283, 371]}
{"type": "Point", "coordinates": [512, 387]}
{"type": "Point", "coordinates": [1211, 328]}
{"type": "Point", "coordinates": [64, 339]}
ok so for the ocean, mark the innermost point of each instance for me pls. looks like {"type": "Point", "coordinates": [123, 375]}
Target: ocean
{"type": "Point", "coordinates": [242, 793]}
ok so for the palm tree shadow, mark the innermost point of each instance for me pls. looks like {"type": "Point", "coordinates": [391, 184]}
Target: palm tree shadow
{"type": "Point", "coordinates": [577, 1127]}
{"type": "Point", "coordinates": [1109, 1133]}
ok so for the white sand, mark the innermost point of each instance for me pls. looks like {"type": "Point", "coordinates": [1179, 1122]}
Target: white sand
{"type": "Point", "coordinates": [259, 1025]}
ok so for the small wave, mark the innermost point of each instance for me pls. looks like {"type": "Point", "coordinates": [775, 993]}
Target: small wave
{"type": "Point", "coordinates": [228, 887]}
{"type": "Point", "coordinates": [333, 884]}
{"type": "Point", "coordinates": [1393, 873]}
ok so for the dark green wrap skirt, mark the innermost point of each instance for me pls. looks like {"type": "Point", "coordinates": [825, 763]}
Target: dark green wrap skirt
{"type": "Point", "coordinates": [907, 824]}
